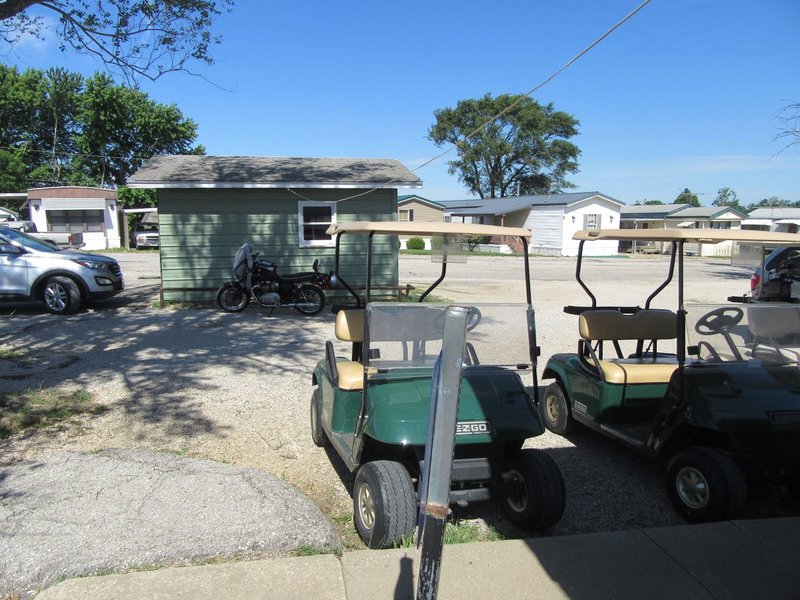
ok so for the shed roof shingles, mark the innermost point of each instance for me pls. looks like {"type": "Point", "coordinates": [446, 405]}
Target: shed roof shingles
{"type": "Point", "coordinates": [269, 171]}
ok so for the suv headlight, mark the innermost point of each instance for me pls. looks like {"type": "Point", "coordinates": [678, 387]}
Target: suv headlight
{"type": "Point", "coordinates": [90, 264]}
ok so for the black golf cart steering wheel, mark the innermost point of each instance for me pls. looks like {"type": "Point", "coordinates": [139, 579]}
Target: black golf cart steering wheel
{"type": "Point", "coordinates": [719, 320]}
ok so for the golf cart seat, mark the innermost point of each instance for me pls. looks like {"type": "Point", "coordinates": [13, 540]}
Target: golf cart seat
{"type": "Point", "coordinates": [348, 374]}
{"type": "Point", "coordinates": [610, 325]}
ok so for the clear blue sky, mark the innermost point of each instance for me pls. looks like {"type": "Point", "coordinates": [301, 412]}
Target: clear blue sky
{"type": "Point", "coordinates": [683, 95]}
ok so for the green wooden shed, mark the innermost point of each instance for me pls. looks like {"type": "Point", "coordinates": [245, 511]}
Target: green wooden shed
{"type": "Point", "coordinates": [209, 205]}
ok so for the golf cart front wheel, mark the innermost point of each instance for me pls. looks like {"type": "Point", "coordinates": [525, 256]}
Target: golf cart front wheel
{"type": "Point", "coordinates": [532, 491]}
{"type": "Point", "coordinates": [384, 504]}
{"type": "Point", "coordinates": [555, 410]}
{"type": "Point", "coordinates": [705, 485]}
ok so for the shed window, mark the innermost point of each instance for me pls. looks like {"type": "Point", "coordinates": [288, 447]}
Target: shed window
{"type": "Point", "coordinates": [313, 219]}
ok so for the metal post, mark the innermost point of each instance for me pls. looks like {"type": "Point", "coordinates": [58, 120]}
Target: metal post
{"type": "Point", "coordinates": [435, 497]}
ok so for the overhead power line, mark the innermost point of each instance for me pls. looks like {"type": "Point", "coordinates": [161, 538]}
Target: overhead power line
{"type": "Point", "coordinates": [513, 105]}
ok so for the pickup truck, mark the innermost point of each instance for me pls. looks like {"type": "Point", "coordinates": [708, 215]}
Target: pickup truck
{"type": "Point", "coordinates": [62, 239]}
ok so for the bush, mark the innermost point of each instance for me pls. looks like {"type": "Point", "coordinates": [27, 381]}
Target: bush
{"type": "Point", "coordinates": [415, 243]}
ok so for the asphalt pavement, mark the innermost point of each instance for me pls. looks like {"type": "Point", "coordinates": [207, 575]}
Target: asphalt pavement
{"type": "Point", "coordinates": [70, 514]}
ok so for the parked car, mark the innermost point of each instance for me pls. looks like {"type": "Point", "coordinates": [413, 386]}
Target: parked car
{"type": "Point", "coordinates": [780, 265]}
{"type": "Point", "coordinates": [34, 270]}
{"type": "Point", "coordinates": [145, 232]}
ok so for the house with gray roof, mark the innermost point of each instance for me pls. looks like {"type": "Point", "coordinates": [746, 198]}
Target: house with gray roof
{"type": "Point", "coordinates": [773, 219]}
{"type": "Point", "coordinates": [209, 205]}
{"type": "Point", "coordinates": [552, 218]}
{"type": "Point", "coordinates": [660, 216]}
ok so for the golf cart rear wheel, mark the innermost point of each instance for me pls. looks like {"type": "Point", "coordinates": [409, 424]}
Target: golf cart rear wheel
{"type": "Point", "coordinates": [318, 435]}
{"type": "Point", "coordinates": [705, 485]}
{"type": "Point", "coordinates": [384, 504]}
{"type": "Point", "coordinates": [555, 410]}
{"type": "Point", "coordinates": [533, 494]}
{"type": "Point", "coordinates": [232, 297]}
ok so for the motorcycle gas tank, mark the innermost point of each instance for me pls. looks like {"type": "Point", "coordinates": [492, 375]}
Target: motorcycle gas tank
{"type": "Point", "coordinates": [491, 397]}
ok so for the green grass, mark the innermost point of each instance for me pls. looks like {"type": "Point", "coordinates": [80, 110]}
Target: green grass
{"type": "Point", "coordinates": [308, 550]}
{"type": "Point", "coordinates": [459, 532]}
{"type": "Point", "coordinates": [10, 353]}
{"type": "Point", "coordinates": [39, 408]}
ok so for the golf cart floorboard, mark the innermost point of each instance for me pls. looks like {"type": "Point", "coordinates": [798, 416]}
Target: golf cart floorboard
{"type": "Point", "coordinates": [633, 434]}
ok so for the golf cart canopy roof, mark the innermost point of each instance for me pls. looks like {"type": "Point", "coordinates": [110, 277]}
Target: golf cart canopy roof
{"type": "Point", "coordinates": [422, 228]}
{"type": "Point", "coordinates": [701, 236]}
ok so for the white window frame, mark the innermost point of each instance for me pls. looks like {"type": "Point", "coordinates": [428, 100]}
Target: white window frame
{"type": "Point", "coordinates": [304, 243]}
{"type": "Point", "coordinates": [592, 220]}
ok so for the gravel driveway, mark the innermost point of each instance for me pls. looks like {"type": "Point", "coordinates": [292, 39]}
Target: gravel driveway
{"type": "Point", "coordinates": [235, 388]}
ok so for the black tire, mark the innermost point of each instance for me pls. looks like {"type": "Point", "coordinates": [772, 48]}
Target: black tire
{"type": "Point", "coordinates": [232, 297]}
{"type": "Point", "coordinates": [384, 504]}
{"type": "Point", "coordinates": [61, 296]}
{"type": "Point", "coordinates": [705, 484]}
{"type": "Point", "coordinates": [318, 435]}
{"type": "Point", "coordinates": [314, 298]}
{"type": "Point", "coordinates": [556, 413]}
{"type": "Point", "coordinates": [533, 494]}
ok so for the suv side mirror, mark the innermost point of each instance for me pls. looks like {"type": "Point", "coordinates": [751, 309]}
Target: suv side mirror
{"type": "Point", "coordinates": [10, 249]}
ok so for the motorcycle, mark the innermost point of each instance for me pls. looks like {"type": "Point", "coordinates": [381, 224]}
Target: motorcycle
{"type": "Point", "coordinates": [260, 280]}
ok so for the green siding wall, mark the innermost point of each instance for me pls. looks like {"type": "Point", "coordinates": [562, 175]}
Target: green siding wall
{"type": "Point", "coordinates": [201, 230]}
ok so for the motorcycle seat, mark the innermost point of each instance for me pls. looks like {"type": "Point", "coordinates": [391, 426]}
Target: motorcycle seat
{"type": "Point", "coordinates": [297, 277]}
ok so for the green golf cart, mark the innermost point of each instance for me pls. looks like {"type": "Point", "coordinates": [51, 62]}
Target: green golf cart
{"type": "Point", "coordinates": [371, 398]}
{"type": "Point", "coordinates": [714, 390]}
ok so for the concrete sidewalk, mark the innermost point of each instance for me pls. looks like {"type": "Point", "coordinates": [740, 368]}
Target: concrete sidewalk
{"type": "Point", "coordinates": [737, 560]}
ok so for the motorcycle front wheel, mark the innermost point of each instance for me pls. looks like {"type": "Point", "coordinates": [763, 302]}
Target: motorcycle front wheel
{"type": "Point", "coordinates": [311, 299]}
{"type": "Point", "coordinates": [232, 297]}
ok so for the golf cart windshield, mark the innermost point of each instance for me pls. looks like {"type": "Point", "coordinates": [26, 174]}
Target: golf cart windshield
{"type": "Point", "coordinates": [403, 335]}
{"type": "Point", "coordinates": [761, 333]}
{"type": "Point", "coordinates": [450, 235]}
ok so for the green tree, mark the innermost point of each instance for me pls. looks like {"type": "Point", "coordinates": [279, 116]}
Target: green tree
{"type": "Point", "coordinates": [727, 197]}
{"type": "Point", "coordinates": [134, 38]}
{"type": "Point", "coordinates": [59, 117]}
{"type": "Point", "coordinates": [122, 127]}
{"type": "Point", "coordinates": [772, 202]}
{"type": "Point", "coordinates": [524, 151]}
{"type": "Point", "coordinates": [13, 176]}
{"type": "Point", "coordinates": [687, 197]}
{"type": "Point", "coordinates": [653, 202]}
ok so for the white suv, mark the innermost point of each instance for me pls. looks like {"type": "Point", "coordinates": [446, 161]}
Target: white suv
{"type": "Point", "coordinates": [31, 269]}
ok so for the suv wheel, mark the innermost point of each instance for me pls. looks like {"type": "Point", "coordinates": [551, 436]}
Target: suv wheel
{"type": "Point", "coordinates": [705, 484]}
{"type": "Point", "coordinates": [532, 490]}
{"type": "Point", "coordinates": [384, 504]}
{"type": "Point", "coordinates": [61, 296]}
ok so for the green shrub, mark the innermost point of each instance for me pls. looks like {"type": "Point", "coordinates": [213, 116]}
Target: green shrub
{"type": "Point", "coordinates": [415, 243]}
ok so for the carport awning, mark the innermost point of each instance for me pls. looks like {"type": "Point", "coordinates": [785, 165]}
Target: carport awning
{"type": "Point", "coordinates": [757, 222]}
{"type": "Point", "coordinates": [686, 224]}
{"type": "Point", "coordinates": [788, 222]}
